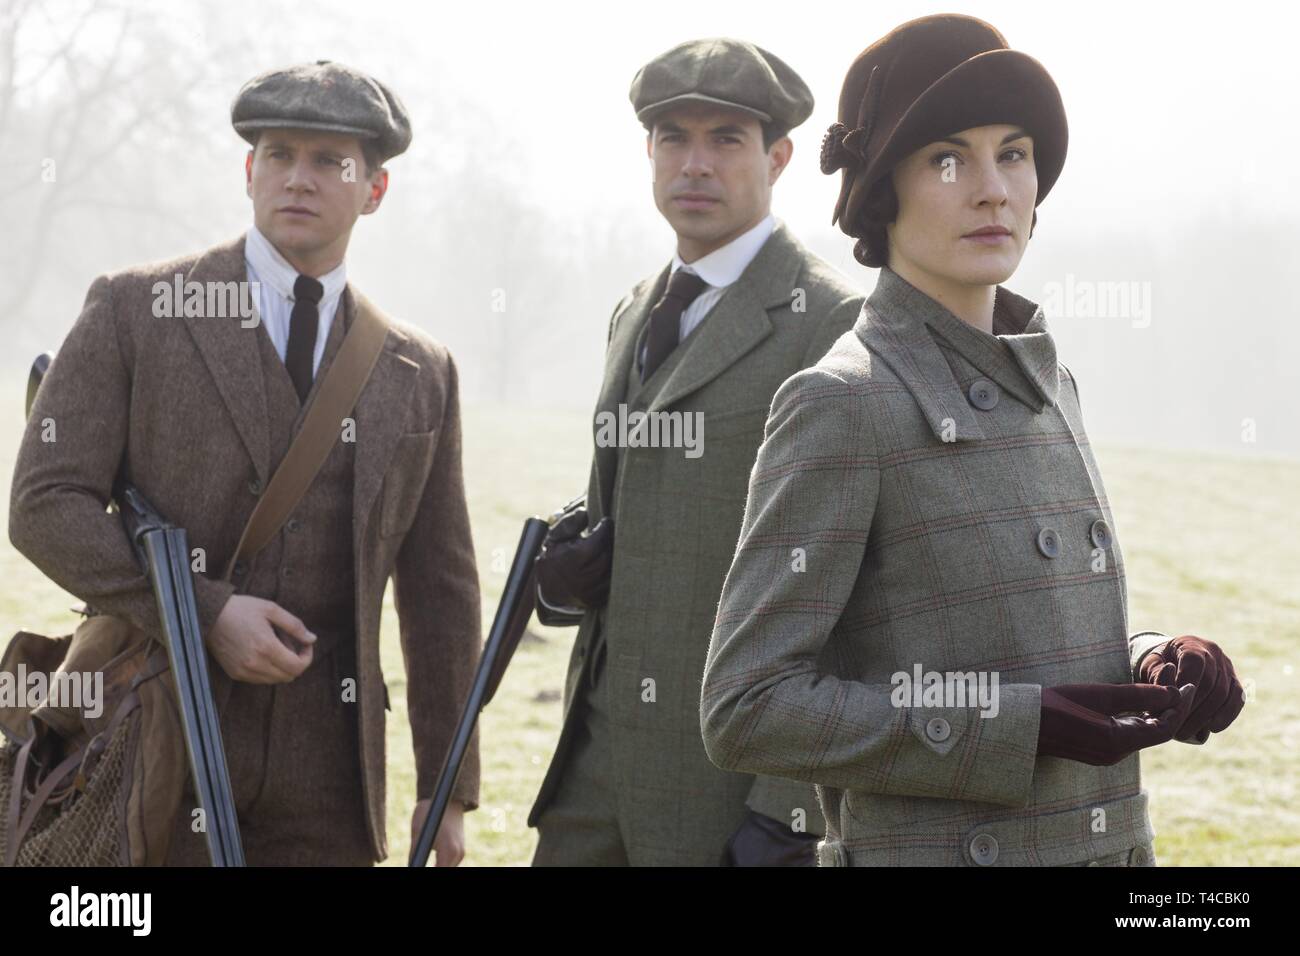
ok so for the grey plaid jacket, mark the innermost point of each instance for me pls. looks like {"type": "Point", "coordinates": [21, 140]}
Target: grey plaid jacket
{"type": "Point", "coordinates": [926, 497]}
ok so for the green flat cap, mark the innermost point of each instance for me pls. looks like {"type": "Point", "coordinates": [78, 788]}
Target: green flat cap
{"type": "Point", "coordinates": [325, 96]}
{"type": "Point", "coordinates": [726, 72]}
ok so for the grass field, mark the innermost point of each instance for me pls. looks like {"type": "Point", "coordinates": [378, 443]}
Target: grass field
{"type": "Point", "coordinates": [1212, 548]}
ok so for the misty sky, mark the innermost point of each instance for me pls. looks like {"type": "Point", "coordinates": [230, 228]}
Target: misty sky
{"type": "Point", "coordinates": [1178, 183]}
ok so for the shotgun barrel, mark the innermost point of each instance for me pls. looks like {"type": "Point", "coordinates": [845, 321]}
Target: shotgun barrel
{"type": "Point", "coordinates": [513, 613]}
{"type": "Point", "coordinates": [163, 552]}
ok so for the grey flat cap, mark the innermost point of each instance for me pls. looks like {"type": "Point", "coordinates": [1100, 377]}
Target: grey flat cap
{"type": "Point", "coordinates": [725, 72]}
{"type": "Point", "coordinates": [326, 96]}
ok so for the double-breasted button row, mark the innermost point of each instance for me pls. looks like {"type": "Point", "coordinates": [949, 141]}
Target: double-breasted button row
{"type": "Point", "coordinates": [983, 394]}
{"type": "Point", "coordinates": [1049, 542]}
{"type": "Point", "coordinates": [984, 849]}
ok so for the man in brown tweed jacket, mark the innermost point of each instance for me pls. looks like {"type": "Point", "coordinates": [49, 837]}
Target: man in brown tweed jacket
{"type": "Point", "coordinates": [198, 410]}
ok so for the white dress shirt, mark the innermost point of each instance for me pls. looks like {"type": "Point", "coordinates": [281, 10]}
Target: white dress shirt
{"type": "Point", "coordinates": [275, 301]}
{"type": "Point", "coordinates": [720, 268]}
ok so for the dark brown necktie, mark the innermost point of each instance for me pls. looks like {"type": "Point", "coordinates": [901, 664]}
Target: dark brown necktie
{"type": "Point", "coordinates": [303, 322]}
{"type": "Point", "coordinates": [666, 318]}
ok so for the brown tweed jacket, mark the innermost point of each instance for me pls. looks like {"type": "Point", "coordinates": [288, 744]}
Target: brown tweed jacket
{"type": "Point", "coordinates": [179, 406]}
{"type": "Point", "coordinates": [899, 516]}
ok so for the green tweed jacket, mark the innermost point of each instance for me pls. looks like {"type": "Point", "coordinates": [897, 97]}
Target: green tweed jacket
{"type": "Point", "coordinates": [926, 498]}
{"type": "Point", "coordinates": [676, 521]}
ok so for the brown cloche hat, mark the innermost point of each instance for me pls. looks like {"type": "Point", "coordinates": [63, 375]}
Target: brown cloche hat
{"type": "Point", "coordinates": [930, 78]}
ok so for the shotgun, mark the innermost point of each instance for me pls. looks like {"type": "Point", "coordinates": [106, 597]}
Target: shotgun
{"type": "Point", "coordinates": [163, 552]}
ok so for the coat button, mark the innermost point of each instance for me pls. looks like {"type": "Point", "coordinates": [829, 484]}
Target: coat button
{"type": "Point", "coordinates": [937, 729]}
{"type": "Point", "coordinates": [293, 524]}
{"type": "Point", "coordinates": [1139, 856]}
{"type": "Point", "coordinates": [1100, 533]}
{"type": "Point", "coordinates": [1049, 543]}
{"type": "Point", "coordinates": [983, 394]}
{"type": "Point", "coordinates": [287, 572]}
{"type": "Point", "coordinates": [1094, 863]}
{"type": "Point", "coordinates": [984, 849]}
{"type": "Point", "coordinates": [239, 569]}
{"type": "Point", "coordinates": [255, 485]}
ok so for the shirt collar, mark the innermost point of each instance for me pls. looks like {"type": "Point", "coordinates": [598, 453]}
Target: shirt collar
{"type": "Point", "coordinates": [723, 266]}
{"type": "Point", "coordinates": [274, 270]}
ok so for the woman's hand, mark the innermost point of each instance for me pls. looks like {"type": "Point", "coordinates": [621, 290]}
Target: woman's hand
{"type": "Point", "coordinates": [1101, 724]}
{"type": "Point", "coordinates": [1194, 660]}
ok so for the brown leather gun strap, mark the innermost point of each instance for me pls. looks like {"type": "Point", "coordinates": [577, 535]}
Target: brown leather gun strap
{"type": "Point", "coordinates": [346, 377]}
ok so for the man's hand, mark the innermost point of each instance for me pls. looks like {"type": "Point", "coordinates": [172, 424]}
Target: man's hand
{"type": "Point", "coordinates": [573, 567]}
{"type": "Point", "coordinates": [762, 841]}
{"type": "Point", "coordinates": [449, 844]}
{"type": "Point", "coordinates": [1101, 724]}
{"type": "Point", "coordinates": [246, 644]}
{"type": "Point", "coordinates": [1194, 660]}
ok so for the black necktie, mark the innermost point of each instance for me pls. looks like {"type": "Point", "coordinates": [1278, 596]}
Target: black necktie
{"type": "Point", "coordinates": [303, 321]}
{"type": "Point", "coordinates": [666, 318]}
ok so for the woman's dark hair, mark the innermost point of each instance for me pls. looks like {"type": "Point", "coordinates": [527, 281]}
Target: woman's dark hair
{"type": "Point", "coordinates": [878, 210]}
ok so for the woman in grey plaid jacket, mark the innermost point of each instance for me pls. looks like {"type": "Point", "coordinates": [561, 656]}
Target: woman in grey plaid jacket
{"type": "Point", "coordinates": [926, 615]}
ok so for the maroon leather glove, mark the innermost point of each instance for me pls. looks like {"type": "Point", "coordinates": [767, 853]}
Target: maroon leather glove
{"type": "Point", "coordinates": [1101, 724]}
{"type": "Point", "coordinates": [1194, 660]}
{"type": "Point", "coordinates": [573, 568]}
{"type": "Point", "coordinates": [762, 841]}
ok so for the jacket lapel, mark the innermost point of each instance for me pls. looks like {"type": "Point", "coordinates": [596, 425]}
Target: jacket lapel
{"type": "Point", "coordinates": [893, 326]}
{"type": "Point", "coordinates": [230, 352]}
{"type": "Point", "coordinates": [738, 322]}
{"type": "Point", "coordinates": [733, 327]}
{"type": "Point", "coordinates": [382, 414]}
{"type": "Point", "coordinates": [899, 322]}
{"type": "Point", "coordinates": [618, 366]}
{"type": "Point", "coordinates": [1032, 344]}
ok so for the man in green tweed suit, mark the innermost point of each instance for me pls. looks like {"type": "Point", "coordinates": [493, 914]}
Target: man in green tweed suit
{"type": "Point", "coordinates": [927, 612]}
{"type": "Point", "coordinates": [701, 347]}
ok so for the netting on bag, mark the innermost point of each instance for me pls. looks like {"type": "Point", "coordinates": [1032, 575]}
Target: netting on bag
{"type": "Point", "coordinates": [84, 829]}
